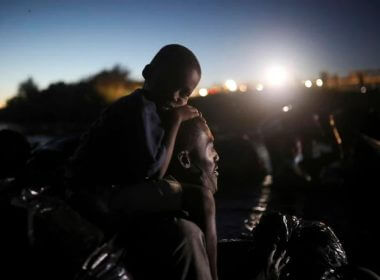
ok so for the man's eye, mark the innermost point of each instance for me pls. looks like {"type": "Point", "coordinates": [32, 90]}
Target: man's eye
{"type": "Point", "coordinates": [185, 94]}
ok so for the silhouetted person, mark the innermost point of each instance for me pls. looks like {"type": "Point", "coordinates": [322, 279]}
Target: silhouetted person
{"type": "Point", "coordinates": [172, 232]}
{"type": "Point", "coordinates": [14, 153]}
{"type": "Point", "coordinates": [166, 226]}
{"type": "Point", "coordinates": [134, 137]}
{"type": "Point", "coordinates": [47, 163]}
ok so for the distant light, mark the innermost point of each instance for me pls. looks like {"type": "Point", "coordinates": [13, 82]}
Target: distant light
{"type": "Point", "coordinates": [203, 92]}
{"type": "Point", "coordinates": [243, 88]}
{"type": "Point", "coordinates": [319, 82]}
{"type": "Point", "coordinates": [331, 120]}
{"type": "Point", "coordinates": [363, 89]}
{"type": "Point", "coordinates": [231, 85]}
{"type": "Point", "coordinates": [32, 192]}
{"type": "Point", "coordinates": [2, 104]}
{"type": "Point", "coordinates": [308, 84]}
{"type": "Point", "coordinates": [259, 87]}
{"type": "Point", "coordinates": [276, 76]}
{"type": "Point", "coordinates": [286, 108]}
{"type": "Point", "coordinates": [213, 90]}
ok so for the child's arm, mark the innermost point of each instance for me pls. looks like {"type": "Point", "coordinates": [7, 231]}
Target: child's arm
{"type": "Point", "coordinates": [178, 115]}
{"type": "Point", "coordinates": [148, 197]}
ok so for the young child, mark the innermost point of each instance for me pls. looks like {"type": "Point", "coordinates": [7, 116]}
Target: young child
{"type": "Point", "coordinates": [134, 138]}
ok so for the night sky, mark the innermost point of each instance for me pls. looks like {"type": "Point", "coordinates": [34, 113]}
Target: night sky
{"type": "Point", "coordinates": [69, 40]}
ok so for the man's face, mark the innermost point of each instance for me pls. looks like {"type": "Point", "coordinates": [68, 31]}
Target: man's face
{"type": "Point", "coordinates": [204, 158]}
{"type": "Point", "coordinates": [172, 87]}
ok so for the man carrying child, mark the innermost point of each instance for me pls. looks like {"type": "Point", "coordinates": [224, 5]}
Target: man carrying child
{"type": "Point", "coordinates": [132, 142]}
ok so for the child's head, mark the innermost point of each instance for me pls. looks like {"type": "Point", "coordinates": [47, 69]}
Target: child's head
{"type": "Point", "coordinates": [172, 75]}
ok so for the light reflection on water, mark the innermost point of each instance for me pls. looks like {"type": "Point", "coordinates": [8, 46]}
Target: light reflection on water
{"type": "Point", "coordinates": [239, 212]}
{"type": "Point", "coordinates": [38, 140]}
{"type": "Point", "coordinates": [258, 209]}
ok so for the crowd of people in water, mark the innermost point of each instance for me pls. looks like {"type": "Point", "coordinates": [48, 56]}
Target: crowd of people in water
{"type": "Point", "coordinates": [136, 195]}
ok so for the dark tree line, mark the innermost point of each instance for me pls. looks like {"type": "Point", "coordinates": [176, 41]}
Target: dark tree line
{"type": "Point", "coordinates": [79, 102]}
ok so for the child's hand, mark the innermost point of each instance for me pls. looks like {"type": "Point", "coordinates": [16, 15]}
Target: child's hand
{"type": "Point", "coordinates": [185, 113]}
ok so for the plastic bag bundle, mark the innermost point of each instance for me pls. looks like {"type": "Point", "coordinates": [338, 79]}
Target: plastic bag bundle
{"type": "Point", "coordinates": [314, 250]}
{"type": "Point", "coordinates": [104, 263]}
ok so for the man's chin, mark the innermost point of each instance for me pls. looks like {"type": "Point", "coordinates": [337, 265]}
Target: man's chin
{"type": "Point", "coordinates": [214, 187]}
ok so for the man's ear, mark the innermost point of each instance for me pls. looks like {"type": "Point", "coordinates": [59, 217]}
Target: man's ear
{"type": "Point", "coordinates": [147, 71]}
{"type": "Point", "coordinates": [184, 159]}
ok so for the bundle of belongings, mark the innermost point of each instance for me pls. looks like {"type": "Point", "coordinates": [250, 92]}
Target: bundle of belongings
{"type": "Point", "coordinates": [67, 245]}
{"type": "Point", "coordinates": [313, 250]}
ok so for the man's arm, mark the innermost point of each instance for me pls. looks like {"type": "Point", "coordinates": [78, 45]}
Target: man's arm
{"type": "Point", "coordinates": [170, 196]}
{"type": "Point", "coordinates": [199, 202]}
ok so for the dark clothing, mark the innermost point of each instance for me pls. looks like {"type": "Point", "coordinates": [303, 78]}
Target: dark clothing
{"type": "Point", "coordinates": [166, 248]}
{"type": "Point", "coordinates": [158, 244]}
{"type": "Point", "coordinates": [124, 146]}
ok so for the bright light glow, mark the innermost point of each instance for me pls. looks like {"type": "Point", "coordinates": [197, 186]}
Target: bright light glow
{"type": "Point", "coordinates": [286, 108]}
{"type": "Point", "coordinates": [231, 85]}
{"type": "Point", "coordinates": [243, 88]}
{"type": "Point", "coordinates": [2, 104]}
{"type": "Point", "coordinates": [32, 192]}
{"type": "Point", "coordinates": [363, 89]}
{"type": "Point", "coordinates": [331, 120]}
{"type": "Point", "coordinates": [259, 87]}
{"type": "Point", "coordinates": [308, 84]}
{"type": "Point", "coordinates": [203, 92]}
{"type": "Point", "coordinates": [319, 82]}
{"type": "Point", "coordinates": [276, 76]}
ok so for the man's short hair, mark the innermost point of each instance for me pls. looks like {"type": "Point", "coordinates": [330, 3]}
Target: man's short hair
{"type": "Point", "coordinates": [188, 133]}
{"type": "Point", "coordinates": [175, 55]}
